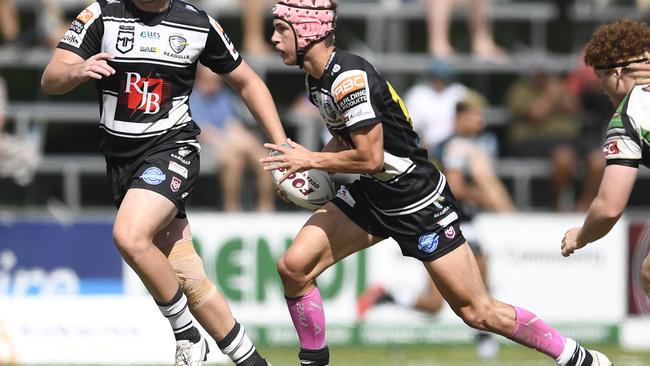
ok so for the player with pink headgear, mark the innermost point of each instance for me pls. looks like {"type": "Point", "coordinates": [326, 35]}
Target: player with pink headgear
{"type": "Point", "coordinates": [311, 21]}
{"type": "Point", "coordinates": [399, 194]}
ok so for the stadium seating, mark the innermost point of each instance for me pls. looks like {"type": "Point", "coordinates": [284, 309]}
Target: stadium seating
{"type": "Point", "coordinates": [384, 26]}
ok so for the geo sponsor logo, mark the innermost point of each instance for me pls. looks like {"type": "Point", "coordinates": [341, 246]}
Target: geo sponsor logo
{"type": "Point", "coordinates": [153, 176]}
{"type": "Point", "coordinates": [428, 242]}
{"type": "Point", "coordinates": [19, 281]}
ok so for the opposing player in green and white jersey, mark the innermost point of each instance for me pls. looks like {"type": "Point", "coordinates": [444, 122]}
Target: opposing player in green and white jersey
{"type": "Point", "coordinates": [611, 49]}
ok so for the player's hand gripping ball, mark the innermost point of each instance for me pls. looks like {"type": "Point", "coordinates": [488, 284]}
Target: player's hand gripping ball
{"type": "Point", "coordinates": [309, 189]}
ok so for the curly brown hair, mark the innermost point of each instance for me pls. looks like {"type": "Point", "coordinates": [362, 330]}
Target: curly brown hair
{"type": "Point", "coordinates": [616, 42]}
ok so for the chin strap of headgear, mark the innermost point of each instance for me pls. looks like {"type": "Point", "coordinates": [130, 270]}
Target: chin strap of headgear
{"type": "Point", "coordinates": [311, 21]}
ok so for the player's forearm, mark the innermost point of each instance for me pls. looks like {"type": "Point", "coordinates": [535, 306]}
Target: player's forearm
{"type": "Point", "coordinates": [59, 78]}
{"type": "Point", "coordinates": [348, 161]}
{"type": "Point", "coordinates": [599, 221]}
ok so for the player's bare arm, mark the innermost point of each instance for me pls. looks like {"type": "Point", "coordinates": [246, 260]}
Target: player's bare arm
{"type": "Point", "coordinates": [365, 158]}
{"type": "Point", "coordinates": [66, 70]}
{"type": "Point", "coordinates": [608, 206]}
{"type": "Point", "coordinates": [258, 99]}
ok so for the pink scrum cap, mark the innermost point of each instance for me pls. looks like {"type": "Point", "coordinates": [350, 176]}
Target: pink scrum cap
{"type": "Point", "coordinates": [312, 20]}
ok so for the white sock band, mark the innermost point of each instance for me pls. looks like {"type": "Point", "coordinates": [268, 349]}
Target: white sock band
{"type": "Point", "coordinates": [177, 313]}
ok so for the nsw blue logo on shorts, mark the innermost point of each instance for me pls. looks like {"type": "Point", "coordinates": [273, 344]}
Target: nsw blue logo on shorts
{"type": "Point", "coordinates": [428, 242]}
{"type": "Point", "coordinates": [153, 176]}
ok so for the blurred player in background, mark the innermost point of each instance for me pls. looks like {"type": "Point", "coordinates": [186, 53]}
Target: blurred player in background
{"type": "Point", "coordinates": [610, 50]}
{"type": "Point", "coordinates": [142, 55]}
{"type": "Point", "coordinates": [400, 194]}
{"type": "Point", "coordinates": [468, 167]}
{"type": "Point", "coordinates": [233, 146]}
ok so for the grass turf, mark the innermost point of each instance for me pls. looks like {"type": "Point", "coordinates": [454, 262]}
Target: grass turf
{"type": "Point", "coordinates": [509, 355]}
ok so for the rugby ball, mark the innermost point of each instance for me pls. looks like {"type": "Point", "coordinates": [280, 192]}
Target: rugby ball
{"type": "Point", "coordinates": [309, 189]}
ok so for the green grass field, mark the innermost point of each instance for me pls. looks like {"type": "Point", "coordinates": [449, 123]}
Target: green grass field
{"type": "Point", "coordinates": [509, 355]}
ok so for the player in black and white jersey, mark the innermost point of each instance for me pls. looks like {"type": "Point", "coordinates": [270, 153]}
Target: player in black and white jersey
{"type": "Point", "coordinates": [142, 55]}
{"type": "Point", "coordinates": [611, 49]}
{"type": "Point", "coordinates": [400, 194]}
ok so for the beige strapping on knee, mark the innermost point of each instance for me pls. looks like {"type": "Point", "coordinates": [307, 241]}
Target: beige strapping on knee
{"type": "Point", "coordinates": [188, 267]}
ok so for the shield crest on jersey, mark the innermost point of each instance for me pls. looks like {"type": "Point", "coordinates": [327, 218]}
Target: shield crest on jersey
{"type": "Point", "coordinates": [177, 43]}
{"type": "Point", "coordinates": [125, 38]}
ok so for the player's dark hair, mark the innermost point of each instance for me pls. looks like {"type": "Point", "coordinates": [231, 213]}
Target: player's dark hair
{"type": "Point", "coordinates": [462, 107]}
{"type": "Point", "coordinates": [330, 40]}
{"type": "Point", "coordinates": [615, 42]}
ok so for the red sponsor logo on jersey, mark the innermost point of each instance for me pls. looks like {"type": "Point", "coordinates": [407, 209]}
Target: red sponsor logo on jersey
{"type": "Point", "coordinates": [450, 232]}
{"type": "Point", "coordinates": [85, 16]}
{"type": "Point", "coordinates": [348, 85]}
{"type": "Point", "coordinates": [611, 148]}
{"type": "Point", "coordinates": [175, 184]}
{"type": "Point", "coordinates": [145, 94]}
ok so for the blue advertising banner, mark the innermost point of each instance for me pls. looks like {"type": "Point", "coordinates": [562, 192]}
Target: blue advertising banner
{"type": "Point", "coordinates": [45, 257]}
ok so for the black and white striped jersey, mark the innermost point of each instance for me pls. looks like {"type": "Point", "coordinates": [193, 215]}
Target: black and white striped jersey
{"type": "Point", "coordinates": [352, 94]}
{"type": "Point", "coordinates": [146, 103]}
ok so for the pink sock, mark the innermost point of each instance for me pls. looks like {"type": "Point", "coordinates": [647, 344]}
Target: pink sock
{"type": "Point", "coordinates": [309, 319]}
{"type": "Point", "coordinates": [532, 332]}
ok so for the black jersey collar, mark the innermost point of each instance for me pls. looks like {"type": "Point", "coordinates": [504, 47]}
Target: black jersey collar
{"type": "Point", "coordinates": [330, 62]}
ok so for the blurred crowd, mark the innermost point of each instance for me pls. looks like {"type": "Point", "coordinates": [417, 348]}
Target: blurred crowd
{"type": "Point", "coordinates": [558, 118]}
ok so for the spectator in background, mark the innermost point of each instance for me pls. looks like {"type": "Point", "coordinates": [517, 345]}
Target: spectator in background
{"type": "Point", "coordinates": [432, 103]}
{"type": "Point", "coordinates": [439, 13]}
{"type": "Point", "coordinates": [432, 106]}
{"type": "Point", "coordinates": [305, 117]}
{"type": "Point", "coordinates": [19, 155]}
{"type": "Point", "coordinates": [48, 29]}
{"type": "Point", "coordinates": [595, 111]}
{"type": "Point", "coordinates": [214, 109]}
{"type": "Point", "coordinates": [467, 165]}
{"type": "Point", "coordinates": [9, 21]}
{"type": "Point", "coordinates": [546, 125]}
{"type": "Point", "coordinates": [50, 26]}
{"type": "Point", "coordinates": [254, 14]}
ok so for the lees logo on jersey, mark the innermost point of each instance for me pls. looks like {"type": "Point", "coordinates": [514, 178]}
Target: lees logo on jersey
{"type": "Point", "coordinates": [144, 94]}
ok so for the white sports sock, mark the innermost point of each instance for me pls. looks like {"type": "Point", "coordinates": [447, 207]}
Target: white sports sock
{"type": "Point", "coordinates": [177, 312]}
{"type": "Point", "coordinates": [239, 347]}
{"type": "Point", "coordinates": [569, 347]}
